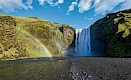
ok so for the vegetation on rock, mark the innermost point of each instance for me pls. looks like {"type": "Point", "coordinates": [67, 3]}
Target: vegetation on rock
{"type": "Point", "coordinates": [10, 48]}
{"type": "Point", "coordinates": [111, 35]}
{"type": "Point", "coordinates": [25, 37]}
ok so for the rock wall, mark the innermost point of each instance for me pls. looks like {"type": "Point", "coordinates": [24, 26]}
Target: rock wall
{"type": "Point", "coordinates": [10, 48]}
{"type": "Point", "coordinates": [111, 36]}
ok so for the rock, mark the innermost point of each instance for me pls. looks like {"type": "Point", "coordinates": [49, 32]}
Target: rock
{"type": "Point", "coordinates": [10, 48]}
{"type": "Point", "coordinates": [111, 36]}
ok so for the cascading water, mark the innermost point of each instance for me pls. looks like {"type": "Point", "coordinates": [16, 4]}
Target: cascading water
{"type": "Point", "coordinates": [82, 42]}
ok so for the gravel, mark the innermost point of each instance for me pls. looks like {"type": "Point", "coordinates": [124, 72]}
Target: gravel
{"type": "Point", "coordinates": [101, 69]}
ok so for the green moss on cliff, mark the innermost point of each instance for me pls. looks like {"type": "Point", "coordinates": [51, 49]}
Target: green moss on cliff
{"type": "Point", "coordinates": [64, 35]}
{"type": "Point", "coordinates": [41, 31]}
{"type": "Point", "coordinates": [116, 35]}
{"type": "Point", "coordinates": [10, 47]}
{"type": "Point", "coordinates": [24, 37]}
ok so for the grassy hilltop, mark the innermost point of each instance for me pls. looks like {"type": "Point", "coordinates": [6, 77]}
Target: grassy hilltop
{"type": "Point", "coordinates": [23, 36]}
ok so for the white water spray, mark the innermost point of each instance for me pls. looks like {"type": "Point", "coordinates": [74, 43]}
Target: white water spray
{"type": "Point", "coordinates": [82, 42]}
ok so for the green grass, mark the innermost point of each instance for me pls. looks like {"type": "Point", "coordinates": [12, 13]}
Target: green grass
{"type": "Point", "coordinates": [32, 46]}
{"type": "Point", "coordinates": [54, 36]}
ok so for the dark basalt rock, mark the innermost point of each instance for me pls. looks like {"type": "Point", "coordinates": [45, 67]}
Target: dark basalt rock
{"type": "Point", "coordinates": [111, 35]}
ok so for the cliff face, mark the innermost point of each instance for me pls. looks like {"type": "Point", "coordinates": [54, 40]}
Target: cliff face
{"type": "Point", "coordinates": [111, 35]}
{"type": "Point", "coordinates": [25, 36]}
{"type": "Point", "coordinates": [10, 48]}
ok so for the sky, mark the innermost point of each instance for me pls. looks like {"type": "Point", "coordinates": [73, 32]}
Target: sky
{"type": "Point", "coordinates": [76, 13]}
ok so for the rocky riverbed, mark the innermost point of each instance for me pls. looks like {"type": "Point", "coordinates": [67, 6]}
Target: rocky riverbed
{"type": "Point", "coordinates": [101, 69]}
{"type": "Point", "coordinates": [80, 68]}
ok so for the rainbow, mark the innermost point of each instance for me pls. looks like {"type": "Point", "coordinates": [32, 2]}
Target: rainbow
{"type": "Point", "coordinates": [42, 45]}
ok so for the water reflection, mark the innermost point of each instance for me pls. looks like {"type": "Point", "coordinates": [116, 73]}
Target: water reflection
{"type": "Point", "coordinates": [35, 69]}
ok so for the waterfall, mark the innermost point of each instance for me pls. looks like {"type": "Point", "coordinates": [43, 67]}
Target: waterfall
{"type": "Point", "coordinates": [82, 42]}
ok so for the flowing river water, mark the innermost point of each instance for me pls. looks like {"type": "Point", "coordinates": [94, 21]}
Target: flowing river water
{"type": "Point", "coordinates": [72, 68]}
{"type": "Point", "coordinates": [35, 69]}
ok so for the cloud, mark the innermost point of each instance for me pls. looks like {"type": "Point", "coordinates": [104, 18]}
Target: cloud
{"type": "Point", "coordinates": [74, 25]}
{"type": "Point", "coordinates": [41, 2]}
{"type": "Point", "coordinates": [67, 13]}
{"type": "Point", "coordinates": [59, 2]}
{"type": "Point", "coordinates": [85, 17]}
{"type": "Point", "coordinates": [103, 6]}
{"type": "Point", "coordinates": [50, 2]}
{"type": "Point", "coordinates": [59, 8]}
{"type": "Point", "coordinates": [12, 5]}
{"type": "Point", "coordinates": [100, 6]}
{"type": "Point", "coordinates": [84, 5]}
{"type": "Point", "coordinates": [126, 4]}
{"type": "Point", "coordinates": [90, 18]}
{"type": "Point", "coordinates": [95, 15]}
{"type": "Point", "coordinates": [71, 7]}
{"type": "Point", "coordinates": [29, 2]}
{"type": "Point", "coordinates": [96, 1]}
